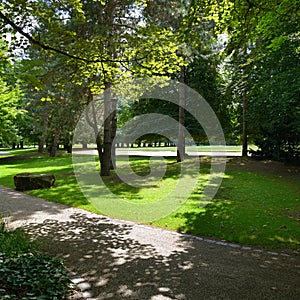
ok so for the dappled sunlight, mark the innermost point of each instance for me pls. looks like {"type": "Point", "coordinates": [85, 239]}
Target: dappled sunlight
{"type": "Point", "coordinates": [248, 208]}
{"type": "Point", "coordinates": [117, 260]}
{"type": "Point", "coordinates": [244, 210]}
{"type": "Point", "coordinates": [285, 240]}
{"type": "Point", "coordinates": [19, 209]}
{"type": "Point", "coordinates": [121, 197]}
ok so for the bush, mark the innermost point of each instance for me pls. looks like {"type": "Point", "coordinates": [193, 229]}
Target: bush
{"type": "Point", "coordinates": [33, 276]}
{"type": "Point", "coordinates": [27, 274]}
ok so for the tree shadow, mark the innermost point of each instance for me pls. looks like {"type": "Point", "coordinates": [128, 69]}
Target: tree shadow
{"type": "Point", "coordinates": [244, 215]}
{"type": "Point", "coordinates": [122, 260]}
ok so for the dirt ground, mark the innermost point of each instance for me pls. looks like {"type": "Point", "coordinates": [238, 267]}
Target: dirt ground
{"type": "Point", "coordinates": [268, 167]}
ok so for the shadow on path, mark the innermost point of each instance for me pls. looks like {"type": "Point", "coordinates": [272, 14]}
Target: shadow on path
{"type": "Point", "coordinates": [124, 260]}
{"type": "Point", "coordinates": [117, 263]}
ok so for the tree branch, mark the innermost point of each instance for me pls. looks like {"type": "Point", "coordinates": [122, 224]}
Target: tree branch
{"type": "Point", "coordinates": [34, 41]}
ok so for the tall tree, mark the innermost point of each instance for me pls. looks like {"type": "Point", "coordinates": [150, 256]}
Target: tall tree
{"type": "Point", "coordinates": [192, 32]}
{"type": "Point", "coordinates": [12, 114]}
{"type": "Point", "coordinates": [102, 38]}
{"type": "Point", "coordinates": [263, 43]}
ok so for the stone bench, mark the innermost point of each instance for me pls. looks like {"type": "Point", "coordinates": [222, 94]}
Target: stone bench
{"type": "Point", "coordinates": [27, 181]}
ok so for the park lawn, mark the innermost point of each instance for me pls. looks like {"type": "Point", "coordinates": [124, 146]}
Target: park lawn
{"type": "Point", "coordinates": [66, 190]}
{"type": "Point", "coordinates": [249, 208]}
{"type": "Point", "coordinates": [252, 208]}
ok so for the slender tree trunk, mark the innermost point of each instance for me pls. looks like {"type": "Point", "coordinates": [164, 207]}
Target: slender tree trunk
{"type": "Point", "coordinates": [68, 146]}
{"type": "Point", "coordinates": [245, 131]}
{"type": "Point", "coordinates": [181, 135]}
{"type": "Point", "coordinates": [45, 129]}
{"type": "Point", "coordinates": [53, 146]}
{"type": "Point", "coordinates": [93, 124]}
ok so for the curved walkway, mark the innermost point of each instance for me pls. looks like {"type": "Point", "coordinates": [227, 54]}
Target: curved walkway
{"type": "Point", "coordinates": [117, 259]}
{"type": "Point", "coordinates": [166, 153]}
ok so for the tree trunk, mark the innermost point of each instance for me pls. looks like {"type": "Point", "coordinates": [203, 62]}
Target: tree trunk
{"type": "Point", "coordinates": [114, 101]}
{"type": "Point", "coordinates": [53, 146]}
{"type": "Point", "coordinates": [245, 133]}
{"type": "Point", "coordinates": [93, 124]}
{"type": "Point", "coordinates": [45, 128]}
{"type": "Point", "coordinates": [106, 154]}
{"type": "Point", "coordinates": [181, 135]}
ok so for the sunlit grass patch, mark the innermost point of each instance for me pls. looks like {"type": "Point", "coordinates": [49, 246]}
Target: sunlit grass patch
{"type": "Point", "coordinates": [249, 208]}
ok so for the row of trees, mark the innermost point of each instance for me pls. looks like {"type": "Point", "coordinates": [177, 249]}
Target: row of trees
{"type": "Point", "coordinates": [242, 56]}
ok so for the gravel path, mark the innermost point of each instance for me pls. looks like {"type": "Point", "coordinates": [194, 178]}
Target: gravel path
{"type": "Point", "coordinates": [116, 259]}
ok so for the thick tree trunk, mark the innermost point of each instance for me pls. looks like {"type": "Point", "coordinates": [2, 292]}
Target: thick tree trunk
{"type": "Point", "coordinates": [114, 101]}
{"type": "Point", "coordinates": [181, 135]}
{"type": "Point", "coordinates": [106, 154]}
{"type": "Point", "coordinates": [105, 147]}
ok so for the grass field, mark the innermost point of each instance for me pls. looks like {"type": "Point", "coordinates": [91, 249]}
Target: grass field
{"type": "Point", "coordinates": [257, 204]}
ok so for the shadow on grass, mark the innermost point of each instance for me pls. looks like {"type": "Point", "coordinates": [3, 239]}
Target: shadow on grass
{"type": "Point", "coordinates": [248, 209]}
{"type": "Point", "coordinates": [119, 260]}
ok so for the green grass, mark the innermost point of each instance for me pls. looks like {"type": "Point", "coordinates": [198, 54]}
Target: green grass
{"type": "Point", "coordinates": [250, 208]}
{"type": "Point", "coordinates": [66, 190]}
{"type": "Point", "coordinates": [14, 242]}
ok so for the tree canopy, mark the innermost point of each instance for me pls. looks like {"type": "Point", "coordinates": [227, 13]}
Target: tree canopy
{"type": "Point", "coordinates": [242, 56]}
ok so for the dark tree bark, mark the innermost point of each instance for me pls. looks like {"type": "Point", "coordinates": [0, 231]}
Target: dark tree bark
{"type": "Point", "coordinates": [181, 135]}
{"type": "Point", "coordinates": [53, 146]}
{"type": "Point", "coordinates": [245, 131]}
{"type": "Point", "coordinates": [107, 133]}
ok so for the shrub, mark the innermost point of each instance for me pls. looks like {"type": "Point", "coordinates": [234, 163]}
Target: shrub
{"type": "Point", "coordinates": [27, 274]}
{"type": "Point", "coordinates": [33, 276]}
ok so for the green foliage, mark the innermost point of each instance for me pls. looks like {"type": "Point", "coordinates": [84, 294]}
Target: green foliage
{"type": "Point", "coordinates": [33, 276]}
{"type": "Point", "coordinates": [27, 274]}
{"type": "Point", "coordinates": [77, 48]}
{"type": "Point", "coordinates": [11, 112]}
{"type": "Point", "coordinates": [275, 96]}
{"type": "Point", "coordinates": [264, 70]}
